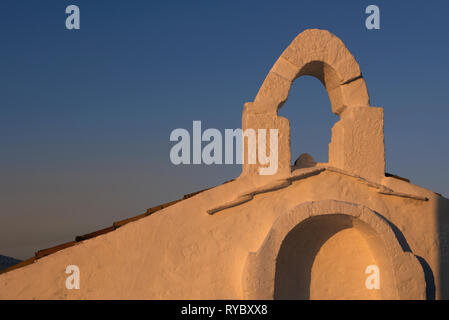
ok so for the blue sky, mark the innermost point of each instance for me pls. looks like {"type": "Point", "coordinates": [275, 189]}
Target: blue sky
{"type": "Point", "coordinates": [85, 115]}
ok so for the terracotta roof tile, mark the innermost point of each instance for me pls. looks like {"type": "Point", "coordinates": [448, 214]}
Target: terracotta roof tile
{"type": "Point", "coordinates": [45, 252]}
{"type": "Point", "coordinates": [120, 223]}
{"type": "Point", "coordinates": [95, 234]}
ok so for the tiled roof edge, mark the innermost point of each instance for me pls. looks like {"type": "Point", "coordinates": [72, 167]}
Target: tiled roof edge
{"type": "Point", "coordinates": [117, 224]}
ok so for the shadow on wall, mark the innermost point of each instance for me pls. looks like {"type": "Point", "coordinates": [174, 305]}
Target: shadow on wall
{"type": "Point", "coordinates": [443, 233]}
{"type": "Point", "coordinates": [428, 273]}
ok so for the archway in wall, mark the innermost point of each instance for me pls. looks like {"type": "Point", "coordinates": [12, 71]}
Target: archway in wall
{"type": "Point", "coordinates": [309, 111]}
{"type": "Point", "coordinates": [325, 257]}
{"type": "Point", "coordinates": [303, 242]}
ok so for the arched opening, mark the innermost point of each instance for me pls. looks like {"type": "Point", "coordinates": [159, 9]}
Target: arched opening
{"type": "Point", "coordinates": [325, 257]}
{"type": "Point", "coordinates": [309, 111]}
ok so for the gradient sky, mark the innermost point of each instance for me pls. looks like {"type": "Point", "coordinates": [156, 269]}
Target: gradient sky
{"type": "Point", "coordinates": [86, 114]}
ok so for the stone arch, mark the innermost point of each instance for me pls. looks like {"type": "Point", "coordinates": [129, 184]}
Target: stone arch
{"type": "Point", "coordinates": [357, 143]}
{"type": "Point", "coordinates": [316, 53]}
{"type": "Point", "coordinates": [402, 276]}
